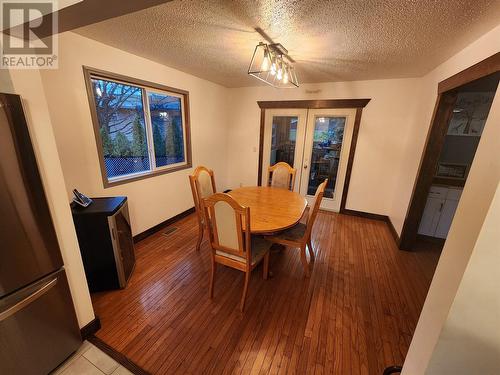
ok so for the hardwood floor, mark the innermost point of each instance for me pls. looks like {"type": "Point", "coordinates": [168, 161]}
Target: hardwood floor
{"type": "Point", "coordinates": [355, 315]}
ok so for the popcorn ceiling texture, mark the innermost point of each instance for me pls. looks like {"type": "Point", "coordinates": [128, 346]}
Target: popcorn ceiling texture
{"type": "Point", "coordinates": [330, 40]}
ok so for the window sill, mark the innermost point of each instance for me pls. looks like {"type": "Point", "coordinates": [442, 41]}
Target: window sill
{"type": "Point", "coordinates": [142, 176]}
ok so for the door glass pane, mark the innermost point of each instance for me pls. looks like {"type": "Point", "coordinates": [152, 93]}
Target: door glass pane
{"type": "Point", "coordinates": [121, 127]}
{"type": "Point", "coordinates": [327, 144]}
{"type": "Point", "coordinates": [168, 137]}
{"type": "Point", "coordinates": [284, 132]}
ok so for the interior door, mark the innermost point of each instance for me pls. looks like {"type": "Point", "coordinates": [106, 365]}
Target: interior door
{"type": "Point", "coordinates": [284, 132]}
{"type": "Point", "coordinates": [326, 150]}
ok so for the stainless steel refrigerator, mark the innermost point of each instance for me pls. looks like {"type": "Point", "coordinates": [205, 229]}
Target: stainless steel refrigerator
{"type": "Point", "coordinates": [38, 326]}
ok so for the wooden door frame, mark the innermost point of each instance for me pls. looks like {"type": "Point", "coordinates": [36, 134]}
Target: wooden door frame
{"type": "Point", "coordinates": [358, 104]}
{"type": "Point", "coordinates": [446, 97]}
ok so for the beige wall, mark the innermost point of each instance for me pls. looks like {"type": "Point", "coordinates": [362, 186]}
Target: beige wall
{"type": "Point", "coordinates": [474, 203]}
{"type": "Point", "coordinates": [151, 200]}
{"type": "Point", "coordinates": [470, 340]}
{"type": "Point", "coordinates": [386, 121]}
{"type": "Point", "coordinates": [28, 84]}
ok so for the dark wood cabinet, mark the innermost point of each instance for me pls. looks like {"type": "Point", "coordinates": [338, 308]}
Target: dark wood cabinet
{"type": "Point", "coordinates": [106, 243]}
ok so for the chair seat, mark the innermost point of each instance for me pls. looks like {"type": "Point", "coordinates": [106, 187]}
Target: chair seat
{"type": "Point", "coordinates": [259, 248]}
{"type": "Point", "coordinates": [294, 233]}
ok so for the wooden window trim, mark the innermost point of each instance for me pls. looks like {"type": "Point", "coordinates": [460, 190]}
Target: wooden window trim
{"type": "Point", "coordinates": [89, 72]}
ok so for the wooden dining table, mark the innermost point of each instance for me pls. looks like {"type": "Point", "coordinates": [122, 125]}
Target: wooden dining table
{"type": "Point", "coordinates": [271, 209]}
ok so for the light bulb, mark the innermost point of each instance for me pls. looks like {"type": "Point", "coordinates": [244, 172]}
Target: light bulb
{"type": "Point", "coordinates": [285, 76]}
{"type": "Point", "coordinates": [265, 62]}
{"type": "Point", "coordinates": [273, 68]}
{"type": "Point", "coordinates": [280, 69]}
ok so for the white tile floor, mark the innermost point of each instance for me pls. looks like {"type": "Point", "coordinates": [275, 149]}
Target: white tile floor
{"type": "Point", "coordinates": [90, 360]}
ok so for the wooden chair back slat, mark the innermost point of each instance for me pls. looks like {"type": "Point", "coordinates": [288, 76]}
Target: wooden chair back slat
{"type": "Point", "coordinates": [281, 175]}
{"type": "Point", "coordinates": [227, 233]}
{"type": "Point", "coordinates": [313, 210]}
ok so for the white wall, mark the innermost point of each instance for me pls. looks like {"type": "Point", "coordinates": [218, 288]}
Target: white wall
{"type": "Point", "coordinates": [28, 84]}
{"type": "Point", "coordinates": [386, 121]}
{"type": "Point", "coordinates": [474, 203]}
{"type": "Point", "coordinates": [470, 340]}
{"type": "Point", "coordinates": [151, 200]}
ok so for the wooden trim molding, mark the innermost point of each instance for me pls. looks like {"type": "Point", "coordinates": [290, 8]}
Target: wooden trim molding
{"type": "Point", "coordinates": [373, 216]}
{"type": "Point", "coordinates": [90, 328]}
{"type": "Point", "coordinates": [314, 104]}
{"type": "Point", "coordinates": [482, 69]}
{"type": "Point", "coordinates": [359, 104]}
{"type": "Point", "coordinates": [428, 164]}
{"type": "Point", "coordinates": [261, 145]}
{"type": "Point", "coordinates": [89, 72]}
{"type": "Point", "coordinates": [366, 215]}
{"type": "Point", "coordinates": [447, 94]}
{"type": "Point", "coordinates": [162, 225]}
{"type": "Point", "coordinates": [117, 356]}
{"type": "Point", "coordinates": [350, 160]}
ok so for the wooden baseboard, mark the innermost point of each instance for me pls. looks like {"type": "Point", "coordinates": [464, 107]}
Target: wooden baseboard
{"type": "Point", "coordinates": [91, 328]}
{"type": "Point", "coordinates": [163, 224]}
{"type": "Point", "coordinates": [393, 231]}
{"type": "Point", "coordinates": [117, 356]}
{"type": "Point", "coordinates": [434, 240]}
{"type": "Point", "coordinates": [369, 215]}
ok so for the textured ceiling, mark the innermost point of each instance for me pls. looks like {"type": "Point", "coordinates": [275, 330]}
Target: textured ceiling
{"type": "Point", "coordinates": [330, 40]}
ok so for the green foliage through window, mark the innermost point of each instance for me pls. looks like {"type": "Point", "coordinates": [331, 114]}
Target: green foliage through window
{"type": "Point", "coordinates": [123, 122]}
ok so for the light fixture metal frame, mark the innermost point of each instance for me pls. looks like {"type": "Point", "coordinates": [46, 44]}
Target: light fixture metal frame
{"type": "Point", "coordinates": [275, 51]}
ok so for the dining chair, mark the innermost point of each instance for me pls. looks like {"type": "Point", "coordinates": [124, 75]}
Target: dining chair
{"type": "Point", "coordinates": [231, 241]}
{"type": "Point", "coordinates": [300, 234]}
{"type": "Point", "coordinates": [202, 183]}
{"type": "Point", "coordinates": [282, 176]}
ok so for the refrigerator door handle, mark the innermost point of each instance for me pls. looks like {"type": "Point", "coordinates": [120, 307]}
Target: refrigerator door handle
{"type": "Point", "coordinates": [26, 301]}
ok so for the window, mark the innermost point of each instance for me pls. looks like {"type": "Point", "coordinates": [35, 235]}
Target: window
{"type": "Point", "coordinates": [141, 128]}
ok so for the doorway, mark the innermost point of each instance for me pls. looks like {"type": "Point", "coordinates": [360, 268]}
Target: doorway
{"type": "Point", "coordinates": [461, 111]}
{"type": "Point", "coordinates": [313, 142]}
{"type": "Point", "coordinates": [318, 141]}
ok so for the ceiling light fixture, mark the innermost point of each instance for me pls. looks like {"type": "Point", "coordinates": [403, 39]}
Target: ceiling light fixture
{"type": "Point", "coordinates": [272, 65]}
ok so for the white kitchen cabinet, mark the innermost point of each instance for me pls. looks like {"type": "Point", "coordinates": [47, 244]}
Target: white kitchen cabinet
{"type": "Point", "coordinates": [439, 211]}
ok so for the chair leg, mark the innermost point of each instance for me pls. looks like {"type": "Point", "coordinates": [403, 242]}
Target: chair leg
{"type": "Point", "coordinates": [311, 250]}
{"type": "Point", "coordinates": [200, 236]}
{"type": "Point", "coordinates": [303, 258]}
{"type": "Point", "coordinates": [212, 279]}
{"type": "Point", "coordinates": [265, 269]}
{"type": "Point", "coordinates": [245, 289]}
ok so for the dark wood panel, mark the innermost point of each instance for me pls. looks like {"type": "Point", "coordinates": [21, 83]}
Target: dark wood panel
{"type": "Point", "coordinates": [481, 69]}
{"type": "Point", "coordinates": [117, 356]}
{"type": "Point", "coordinates": [84, 13]}
{"type": "Point", "coordinates": [261, 145]}
{"type": "Point", "coordinates": [356, 314]}
{"type": "Point", "coordinates": [90, 328]}
{"type": "Point", "coordinates": [315, 104]}
{"type": "Point", "coordinates": [350, 160]}
{"type": "Point", "coordinates": [428, 164]}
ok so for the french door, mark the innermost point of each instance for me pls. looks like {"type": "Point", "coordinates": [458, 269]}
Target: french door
{"type": "Point", "coordinates": [316, 143]}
